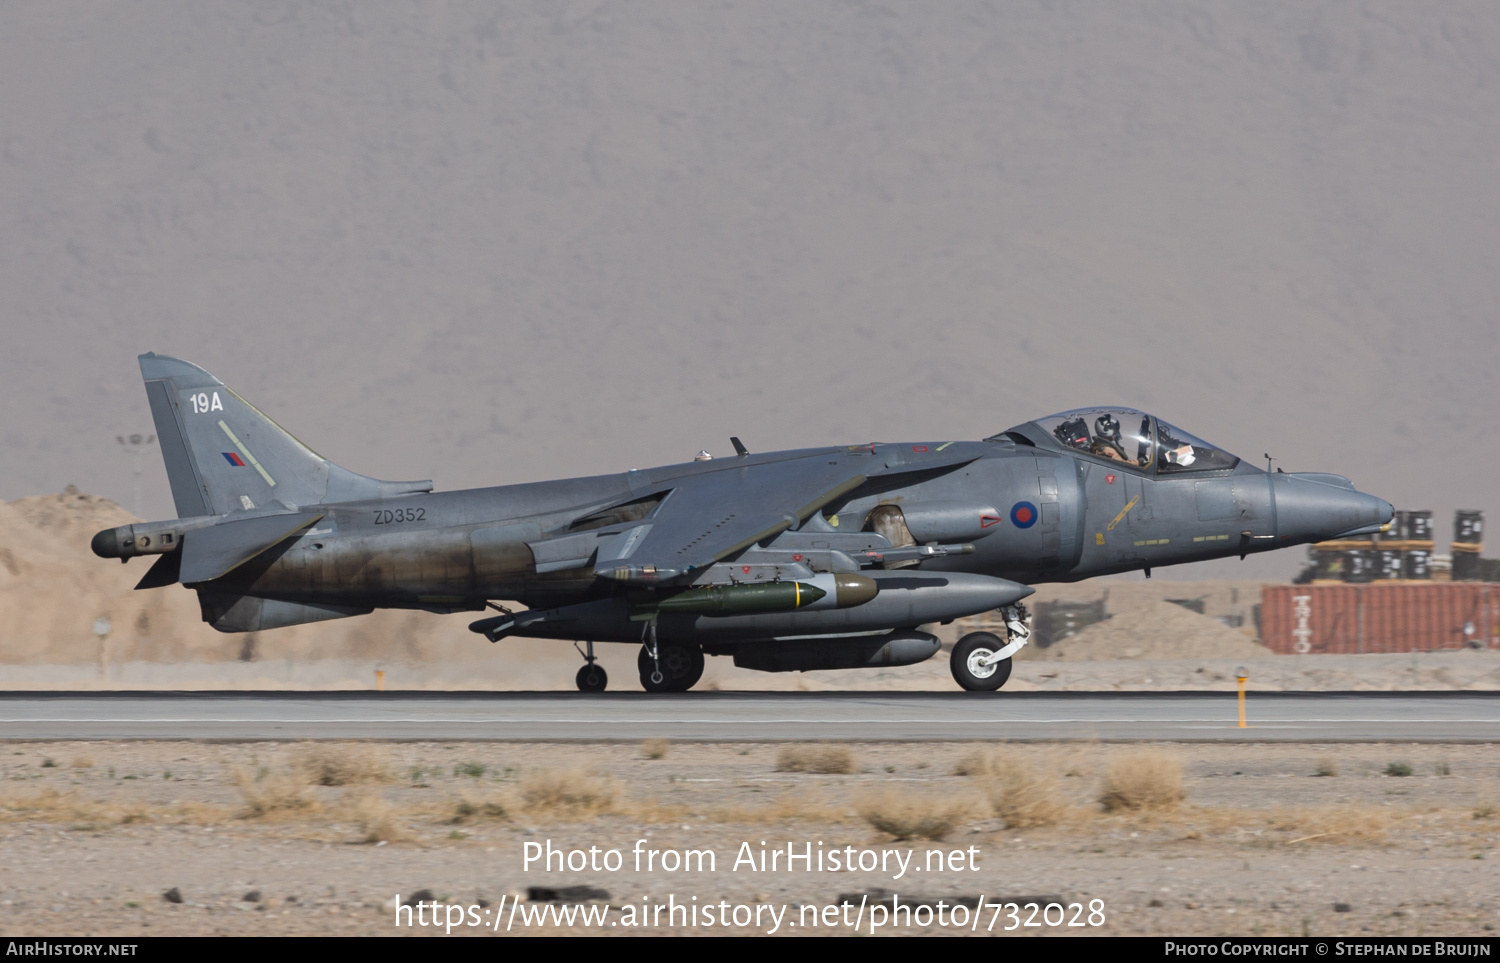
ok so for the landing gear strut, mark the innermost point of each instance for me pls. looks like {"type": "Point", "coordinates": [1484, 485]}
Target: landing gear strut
{"type": "Point", "coordinates": [592, 677]}
{"type": "Point", "coordinates": [981, 662]}
{"type": "Point", "coordinates": [668, 666]}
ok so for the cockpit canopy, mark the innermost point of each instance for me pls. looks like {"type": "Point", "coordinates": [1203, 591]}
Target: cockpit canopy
{"type": "Point", "coordinates": [1134, 438]}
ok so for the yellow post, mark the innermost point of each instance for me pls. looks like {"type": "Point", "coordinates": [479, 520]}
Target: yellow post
{"type": "Point", "coordinates": [380, 687]}
{"type": "Point", "coordinates": [1241, 675]}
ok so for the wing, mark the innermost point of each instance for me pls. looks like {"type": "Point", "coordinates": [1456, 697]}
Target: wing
{"type": "Point", "coordinates": [711, 516]}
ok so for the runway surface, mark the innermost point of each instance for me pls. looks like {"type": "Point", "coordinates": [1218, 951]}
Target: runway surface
{"type": "Point", "coordinates": [1449, 717]}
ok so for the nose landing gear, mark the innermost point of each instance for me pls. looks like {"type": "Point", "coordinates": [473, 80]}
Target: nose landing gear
{"type": "Point", "coordinates": [981, 662]}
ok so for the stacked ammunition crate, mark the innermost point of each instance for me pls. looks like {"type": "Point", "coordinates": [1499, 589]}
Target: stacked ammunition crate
{"type": "Point", "coordinates": [1402, 552]}
{"type": "Point", "coordinates": [1055, 621]}
{"type": "Point", "coordinates": [1407, 549]}
{"type": "Point", "coordinates": [1468, 542]}
{"type": "Point", "coordinates": [1347, 560]}
{"type": "Point", "coordinates": [1051, 621]}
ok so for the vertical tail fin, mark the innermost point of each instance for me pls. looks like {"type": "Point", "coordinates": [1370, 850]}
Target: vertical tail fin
{"type": "Point", "coordinates": [224, 456]}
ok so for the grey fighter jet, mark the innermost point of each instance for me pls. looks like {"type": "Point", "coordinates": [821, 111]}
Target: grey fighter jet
{"type": "Point", "coordinates": [819, 558]}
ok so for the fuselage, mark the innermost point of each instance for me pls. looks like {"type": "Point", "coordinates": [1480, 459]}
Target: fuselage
{"type": "Point", "coordinates": [1032, 511]}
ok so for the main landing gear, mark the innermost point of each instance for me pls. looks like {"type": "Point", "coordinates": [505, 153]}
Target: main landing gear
{"type": "Point", "coordinates": [664, 666]}
{"type": "Point", "coordinates": [981, 662]}
{"type": "Point", "coordinates": [668, 666]}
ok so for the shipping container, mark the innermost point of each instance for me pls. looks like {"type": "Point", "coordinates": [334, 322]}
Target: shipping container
{"type": "Point", "coordinates": [1389, 617]}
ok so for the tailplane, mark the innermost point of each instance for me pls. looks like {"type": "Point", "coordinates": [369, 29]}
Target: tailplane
{"type": "Point", "coordinates": [224, 456]}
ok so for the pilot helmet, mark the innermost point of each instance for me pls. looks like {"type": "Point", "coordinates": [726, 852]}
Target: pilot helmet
{"type": "Point", "coordinates": [1107, 426]}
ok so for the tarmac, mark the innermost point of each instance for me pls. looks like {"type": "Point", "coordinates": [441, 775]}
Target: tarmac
{"type": "Point", "coordinates": [1324, 717]}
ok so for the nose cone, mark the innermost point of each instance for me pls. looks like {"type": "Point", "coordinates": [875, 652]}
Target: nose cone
{"type": "Point", "coordinates": [1317, 508]}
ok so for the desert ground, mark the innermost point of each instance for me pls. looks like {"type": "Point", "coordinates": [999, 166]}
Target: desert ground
{"type": "Point", "coordinates": [304, 839]}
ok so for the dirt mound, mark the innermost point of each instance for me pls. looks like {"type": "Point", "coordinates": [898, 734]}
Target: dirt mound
{"type": "Point", "coordinates": [62, 605]}
{"type": "Point", "coordinates": [1154, 630]}
{"type": "Point", "coordinates": [71, 513]}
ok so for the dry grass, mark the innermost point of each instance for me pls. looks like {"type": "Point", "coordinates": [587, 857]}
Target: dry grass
{"type": "Point", "coordinates": [905, 815]}
{"type": "Point", "coordinates": [50, 805]}
{"type": "Point", "coordinates": [1487, 806]}
{"type": "Point", "coordinates": [1142, 782]}
{"type": "Point", "coordinates": [822, 758]}
{"type": "Point", "coordinates": [1328, 767]}
{"type": "Point", "coordinates": [273, 794]}
{"type": "Point", "coordinates": [471, 807]}
{"type": "Point", "coordinates": [376, 820]}
{"type": "Point", "coordinates": [567, 792]}
{"type": "Point", "coordinates": [1339, 823]}
{"type": "Point", "coordinates": [655, 748]}
{"type": "Point", "coordinates": [1024, 797]}
{"type": "Point", "coordinates": [1348, 823]}
{"type": "Point", "coordinates": [83, 762]}
{"type": "Point", "coordinates": [345, 765]}
{"type": "Point", "coordinates": [977, 763]}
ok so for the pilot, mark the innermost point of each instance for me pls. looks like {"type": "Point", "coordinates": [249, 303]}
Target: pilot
{"type": "Point", "coordinates": [1107, 438]}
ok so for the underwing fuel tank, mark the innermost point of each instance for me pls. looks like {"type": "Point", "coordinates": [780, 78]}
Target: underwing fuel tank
{"type": "Point", "coordinates": [822, 591]}
{"type": "Point", "coordinates": [903, 599]}
{"type": "Point", "coordinates": [902, 647]}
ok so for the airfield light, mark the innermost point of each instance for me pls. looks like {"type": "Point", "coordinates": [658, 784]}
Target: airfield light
{"type": "Point", "coordinates": [133, 446]}
{"type": "Point", "coordinates": [1240, 675]}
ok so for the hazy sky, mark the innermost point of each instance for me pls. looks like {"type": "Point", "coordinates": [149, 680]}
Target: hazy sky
{"type": "Point", "coordinates": [488, 243]}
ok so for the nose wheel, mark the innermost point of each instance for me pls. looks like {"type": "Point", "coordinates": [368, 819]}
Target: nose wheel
{"type": "Point", "coordinates": [974, 665]}
{"type": "Point", "coordinates": [981, 662]}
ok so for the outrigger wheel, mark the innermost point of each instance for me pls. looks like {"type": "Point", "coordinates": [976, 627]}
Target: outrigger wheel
{"type": "Point", "coordinates": [592, 677]}
{"type": "Point", "coordinates": [681, 666]}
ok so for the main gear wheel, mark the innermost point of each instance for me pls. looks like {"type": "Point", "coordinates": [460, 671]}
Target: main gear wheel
{"type": "Point", "coordinates": [681, 667]}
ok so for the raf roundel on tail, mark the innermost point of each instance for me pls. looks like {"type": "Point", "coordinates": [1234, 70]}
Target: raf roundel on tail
{"type": "Point", "coordinates": [818, 558]}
